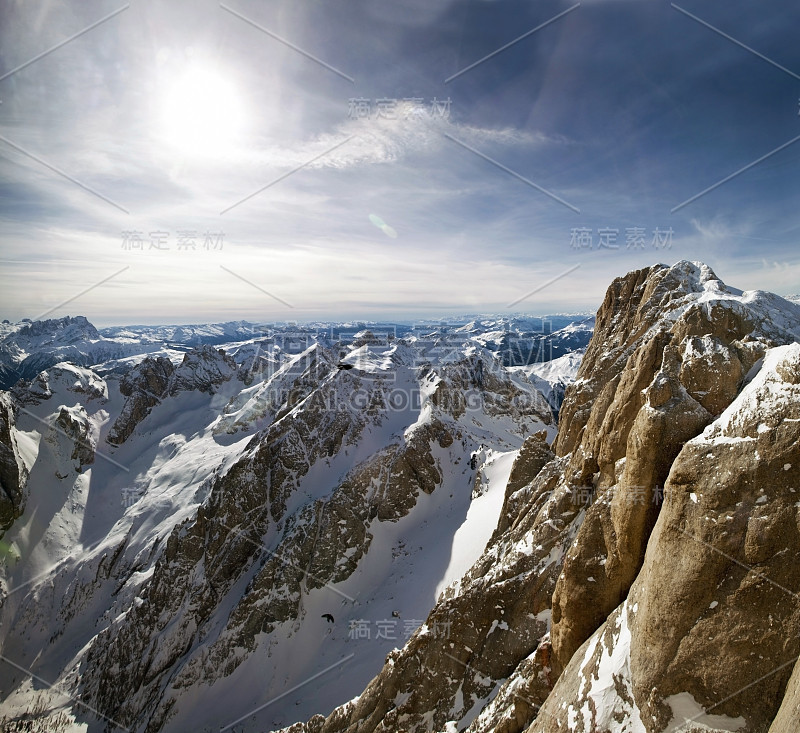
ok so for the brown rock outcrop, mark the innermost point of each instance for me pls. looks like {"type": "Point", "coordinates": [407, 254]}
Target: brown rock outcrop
{"type": "Point", "coordinates": [657, 371]}
{"type": "Point", "coordinates": [712, 622]}
{"type": "Point", "coordinates": [673, 348]}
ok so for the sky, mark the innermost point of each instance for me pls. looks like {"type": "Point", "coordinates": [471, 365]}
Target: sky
{"type": "Point", "coordinates": [185, 161]}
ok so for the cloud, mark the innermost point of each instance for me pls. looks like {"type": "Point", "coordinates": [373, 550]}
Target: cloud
{"type": "Point", "coordinates": [623, 111]}
{"type": "Point", "coordinates": [381, 139]}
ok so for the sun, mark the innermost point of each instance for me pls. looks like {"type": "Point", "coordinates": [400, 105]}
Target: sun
{"type": "Point", "coordinates": [201, 112]}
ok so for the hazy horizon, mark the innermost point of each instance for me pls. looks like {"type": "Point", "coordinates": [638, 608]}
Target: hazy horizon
{"type": "Point", "coordinates": [459, 319]}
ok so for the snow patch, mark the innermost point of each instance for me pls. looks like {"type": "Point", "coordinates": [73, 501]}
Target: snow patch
{"type": "Point", "coordinates": [481, 520]}
{"type": "Point", "coordinates": [686, 710]}
{"type": "Point", "coordinates": [600, 685]}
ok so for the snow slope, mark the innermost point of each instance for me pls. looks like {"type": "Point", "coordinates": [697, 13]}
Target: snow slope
{"type": "Point", "coordinates": [84, 553]}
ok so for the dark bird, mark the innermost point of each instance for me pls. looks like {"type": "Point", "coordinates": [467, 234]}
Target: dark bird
{"type": "Point", "coordinates": [327, 617]}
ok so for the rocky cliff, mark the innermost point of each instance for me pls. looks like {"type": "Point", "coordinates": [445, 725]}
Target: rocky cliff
{"type": "Point", "coordinates": [13, 473]}
{"type": "Point", "coordinates": [400, 541]}
{"type": "Point", "coordinates": [645, 577]}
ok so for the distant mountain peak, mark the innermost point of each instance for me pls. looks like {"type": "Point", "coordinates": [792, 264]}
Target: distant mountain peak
{"type": "Point", "coordinates": [76, 327]}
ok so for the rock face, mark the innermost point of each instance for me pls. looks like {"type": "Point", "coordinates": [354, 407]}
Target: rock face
{"type": "Point", "coordinates": [666, 360]}
{"type": "Point", "coordinates": [13, 474]}
{"type": "Point", "coordinates": [203, 368]}
{"type": "Point", "coordinates": [144, 387]}
{"type": "Point", "coordinates": [76, 380]}
{"type": "Point", "coordinates": [731, 516]}
{"type": "Point", "coordinates": [70, 424]}
{"type": "Point", "coordinates": [74, 425]}
{"type": "Point", "coordinates": [710, 630]}
{"type": "Point", "coordinates": [660, 542]}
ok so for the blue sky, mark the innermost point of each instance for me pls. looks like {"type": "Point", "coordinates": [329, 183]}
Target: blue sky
{"type": "Point", "coordinates": [162, 118]}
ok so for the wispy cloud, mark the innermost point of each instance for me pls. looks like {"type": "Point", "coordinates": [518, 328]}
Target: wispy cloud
{"type": "Point", "coordinates": [387, 140]}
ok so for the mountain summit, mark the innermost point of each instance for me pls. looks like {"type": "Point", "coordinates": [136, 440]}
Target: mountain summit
{"type": "Point", "coordinates": [644, 575]}
{"type": "Point", "coordinates": [392, 534]}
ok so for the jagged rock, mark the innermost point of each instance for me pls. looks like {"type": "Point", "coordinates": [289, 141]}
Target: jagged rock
{"type": "Point", "coordinates": [144, 386]}
{"type": "Point", "coordinates": [68, 329]}
{"type": "Point", "coordinates": [287, 385]}
{"type": "Point", "coordinates": [616, 329]}
{"type": "Point", "coordinates": [712, 621]}
{"type": "Point", "coordinates": [74, 424]}
{"type": "Point", "coordinates": [671, 362]}
{"type": "Point", "coordinates": [534, 455]}
{"type": "Point", "coordinates": [34, 391]}
{"type": "Point", "coordinates": [71, 423]}
{"type": "Point", "coordinates": [366, 338]}
{"type": "Point", "coordinates": [261, 360]}
{"type": "Point", "coordinates": [64, 376]}
{"type": "Point", "coordinates": [203, 368]}
{"type": "Point", "coordinates": [513, 708]}
{"type": "Point", "coordinates": [414, 466]}
{"type": "Point", "coordinates": [13, 473]}
{"type": "Point", "coordinates": [475, 382]}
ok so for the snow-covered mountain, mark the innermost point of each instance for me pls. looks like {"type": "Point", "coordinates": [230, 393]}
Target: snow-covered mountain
{"type": "Point", "coordinates": [523, 341]}
{"type": "Point", "coordinates": [672, 483]}
{"type": "Point", "coordinates": [355, 529]}
{"type": "Point", "coordinates": [553, 377]}
{"type": "Point", "coordinates": [193, 520]}
{"type": "Point", "coordinates": [26, 348]}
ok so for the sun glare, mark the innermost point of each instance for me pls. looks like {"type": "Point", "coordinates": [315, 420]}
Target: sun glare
{"type": "Point", "coordinates": [201, 112]}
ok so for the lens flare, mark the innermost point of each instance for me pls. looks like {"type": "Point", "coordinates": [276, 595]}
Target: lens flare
{"type": "Point", "coordinates": [383, 226]}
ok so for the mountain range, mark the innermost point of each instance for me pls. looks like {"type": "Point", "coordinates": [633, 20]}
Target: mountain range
{"type": "Point", "coordinates": [576, 523]}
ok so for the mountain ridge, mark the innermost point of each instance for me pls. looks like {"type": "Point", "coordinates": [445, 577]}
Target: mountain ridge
{"type": "Point", "coordinates": [606, 491]}
{"type": "Point", "coordinates": [269, 487]}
